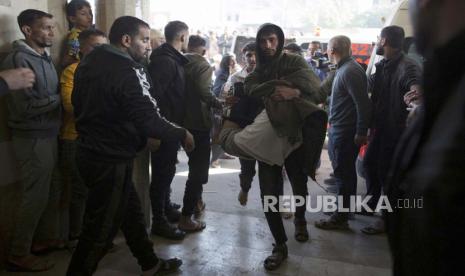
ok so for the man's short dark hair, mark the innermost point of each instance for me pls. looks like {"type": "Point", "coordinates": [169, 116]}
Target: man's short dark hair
{"type": "Point", "coordinates": [249, 47]}
{"type": "Point", "coordinates": [394, 36]}
{"type": "Point", "coordinates": [316, 43]}
{"type": "Point", "coordinates": [173, 29]}
{"type": "Point", "coordinates": [75, 5]}
{"type": "Point", "coordinates": [293, 47]}
{"type": "Point", "coordinates": [86, 34]}
{"type": "Point", "coordinates": [28, 17]}
{"type": "Point", "coordinates": [196, 41]}
{"type": "Point", "coordinates": [125, 25]}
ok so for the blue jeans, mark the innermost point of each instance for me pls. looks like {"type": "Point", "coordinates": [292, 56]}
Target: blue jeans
{"type": "Point", "coordinates": [344, 153]}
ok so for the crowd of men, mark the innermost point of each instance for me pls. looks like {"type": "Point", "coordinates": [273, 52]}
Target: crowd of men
{"type": "Point", "coordinates": [76, 135]}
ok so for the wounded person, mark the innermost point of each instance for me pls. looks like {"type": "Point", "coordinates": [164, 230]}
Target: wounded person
{"type": "Point", "coordinates": [277, 122]}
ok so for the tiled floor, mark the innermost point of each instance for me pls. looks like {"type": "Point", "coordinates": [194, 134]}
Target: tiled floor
{"type": "Point", "coordinates": [237, 239]}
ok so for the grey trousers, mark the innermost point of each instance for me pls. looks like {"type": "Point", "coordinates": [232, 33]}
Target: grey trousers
{"type": "Point", "coordinates": [37, 217]}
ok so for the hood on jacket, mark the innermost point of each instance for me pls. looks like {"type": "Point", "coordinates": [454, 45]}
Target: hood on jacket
{"type": "Point", "coordinates": [269, 28]}
{"type": "Point", "coordinates": [21, 46]}
{"type": "Point", "coordinates": [167, 50]}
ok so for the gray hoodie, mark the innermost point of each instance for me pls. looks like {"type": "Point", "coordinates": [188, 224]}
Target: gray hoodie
{"type": "Point", "coordinates": [34, 112]}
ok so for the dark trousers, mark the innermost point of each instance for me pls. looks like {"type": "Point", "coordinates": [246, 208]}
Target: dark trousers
{"type": "Point", "coordinates": [112, 204]}
{"type": "Point", "coordinates": [199, 164]}
{"type": "Point", "coordinates": [377, 161]}
{"type": "Point", "coordinates": [163, 163]}
{"type": "Point", "coordinates": [271, 184]}
{"type": "Point", "coordinates": [77, 188]}
{"type": "Point", "coordinates": [344, 154]}
{"type": "Point", "coordinates": [247, 173]}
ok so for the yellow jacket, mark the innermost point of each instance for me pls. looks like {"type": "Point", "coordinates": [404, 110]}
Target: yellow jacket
{"type": "Point", "coordinates": [68, 129]}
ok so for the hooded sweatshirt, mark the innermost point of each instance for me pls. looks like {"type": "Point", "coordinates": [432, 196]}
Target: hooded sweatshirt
{"type": "Point", "coordinates": [113, 107]}
{"type": "Point", "coordinates": [299, 119]}
{"type": "Point", "coordinates": [34, 112]}
{"type": "Point", "coordinates": [286, 116]}
{"type": "Point", "coordinates": [167, 73]}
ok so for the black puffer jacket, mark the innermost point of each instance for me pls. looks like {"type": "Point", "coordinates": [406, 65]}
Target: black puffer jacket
{"type": "Point", "coordinates": [167, 73]}
{"type": "Point", "coordinates": [113, 107]}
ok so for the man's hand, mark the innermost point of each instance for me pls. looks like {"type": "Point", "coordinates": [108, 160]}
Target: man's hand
{"type": "Point", "coordinates": [360, 140]}
{"type": "Point", "coordinates": [285, 93]}
{"type": "Point", "coordinates": [414, 95]}
{"type": "Point", "coordinates": [189, 143]}
{"type": "Point", "coordinates": [18, 78]}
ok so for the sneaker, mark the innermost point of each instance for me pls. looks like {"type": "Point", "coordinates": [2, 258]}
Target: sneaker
{"type": "Point", "coordinates": [335, 222]}
{"type": "Point", "coordinates": [167, 231]}
{"type": "Point", "coordinates": [172, 215]}
{"type": "Point", "coordinates": [173, 205]}
{"type": "Point", "coordinates": [189, 225]}
{"type": "Point", "coordinates": [215, 164]}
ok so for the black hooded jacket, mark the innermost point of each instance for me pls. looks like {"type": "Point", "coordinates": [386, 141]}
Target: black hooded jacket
{"type": "Point", "coordinates": [113, 107]}
{"type": "Point", "coordinates": [166, 69]}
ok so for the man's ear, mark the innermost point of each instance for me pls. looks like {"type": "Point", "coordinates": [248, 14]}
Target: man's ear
{"type": "Point", "coordinates": [126, 40]}
{"type": "Point", "coordinates": [27, 30]}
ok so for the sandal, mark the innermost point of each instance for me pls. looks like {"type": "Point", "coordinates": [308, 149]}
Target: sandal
{"type": "Point", "coordinates": [332, 224]}
{"type": "Point", "coordinates": [167, 266]}
{"type": "Point", "coordinates": [370, 230]}
{"type": "Point", "coordinates": [301, 232]}
{"type": "Point", "coordinates": [274, 261]}
{"type": "Point", "coordinates": [287, 215]}
{"type": "Point", "coordinates": [31, 264]}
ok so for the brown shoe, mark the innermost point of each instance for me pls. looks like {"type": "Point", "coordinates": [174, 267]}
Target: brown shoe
{"type": "Point", "coordinates": [189, 225]}
{"type": "Point", "coordinates": [29, 263]}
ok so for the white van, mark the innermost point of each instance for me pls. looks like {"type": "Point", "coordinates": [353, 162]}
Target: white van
{"type": "Point", "coordinates": [400, 17]}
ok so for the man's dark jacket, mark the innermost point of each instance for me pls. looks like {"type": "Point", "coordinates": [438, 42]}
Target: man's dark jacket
{"type": "Point", "coordinates": [114, 110]}
{"type": "Point", "coordinates": [430, 165]}
{"type": "Point", "coordinates": [200, 99]}
{"type": "Point", "coordinates": [392, 80]}
{"type": "Point", "coordinates": [166, 69]}
{"type": "Point", "coordinates": [300, 116]}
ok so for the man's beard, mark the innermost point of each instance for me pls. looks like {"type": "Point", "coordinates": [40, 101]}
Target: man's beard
{"type": "Point", "coordinates": [379, 50]}
{"type": "Point", "coordinates": [135, 56]}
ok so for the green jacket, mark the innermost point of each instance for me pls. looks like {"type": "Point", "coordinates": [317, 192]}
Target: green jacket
{"type": "Point", "coordinates": [299, 119]}
{"type": "Point", "coordinates": [199, 98]}
{"type": "Point", "coordinates": [287, 117]}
